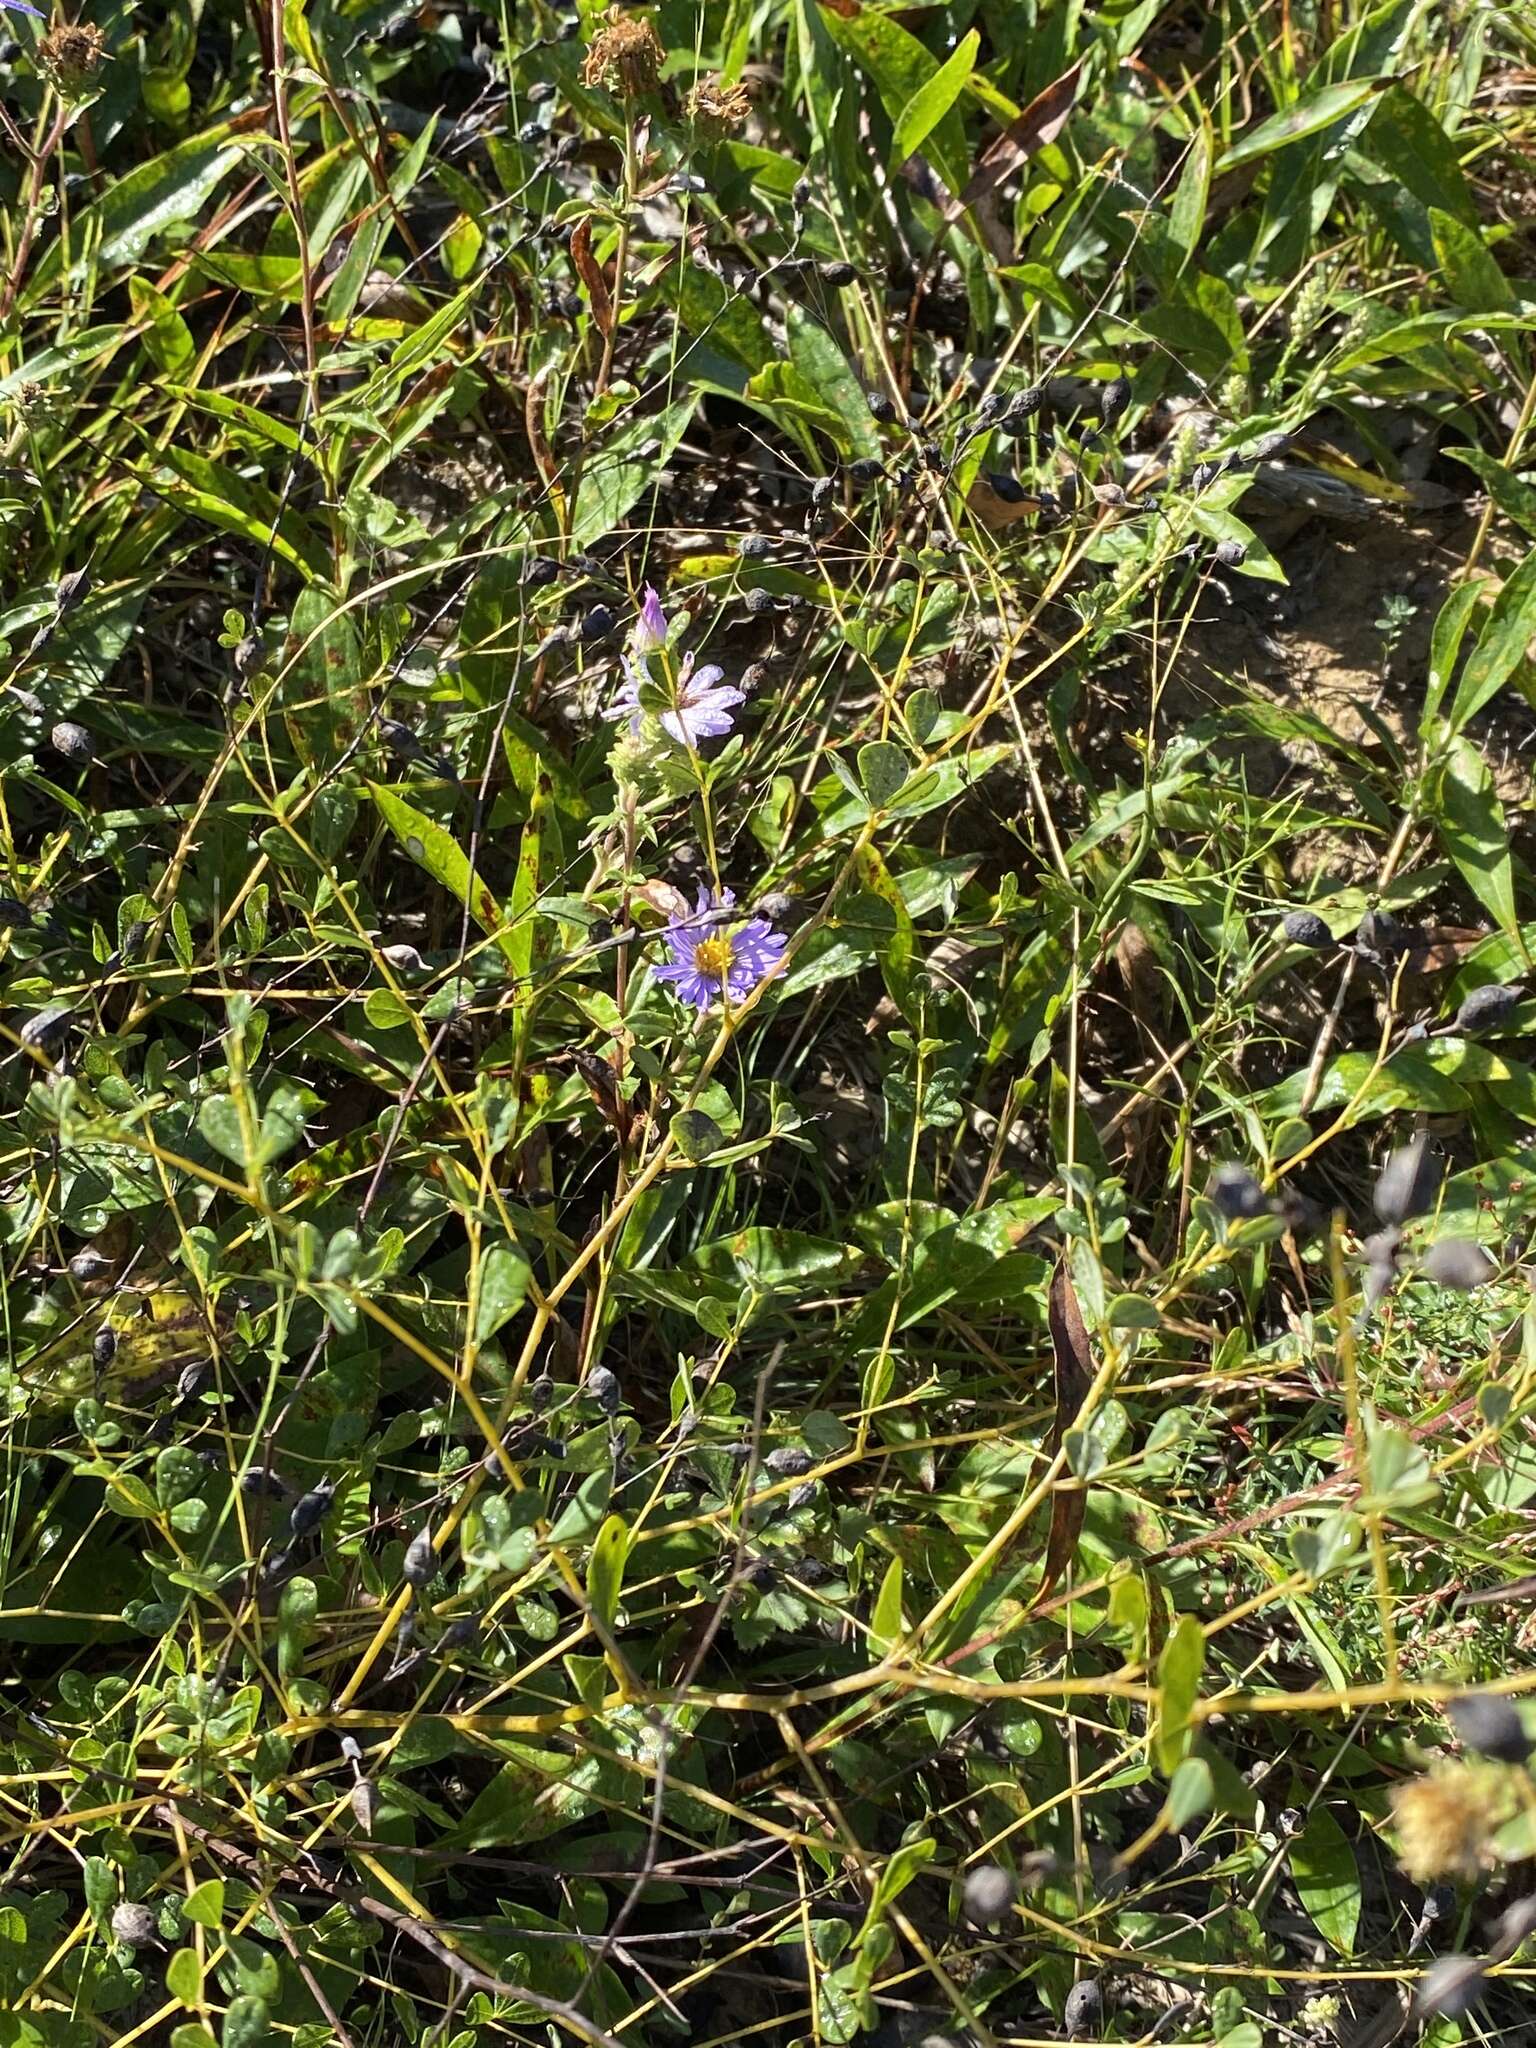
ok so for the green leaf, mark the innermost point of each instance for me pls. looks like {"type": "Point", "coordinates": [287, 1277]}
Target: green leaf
{"type": "Point", "coordinates": [324, 701]}
{"type": "Point", "coordinates": [1327, 1879]}
{"type": "Point", "coordinates": [885, 1625]}
{"type": "Point", "coordinates": [618, 471]}
{"type": "Point", "coordinates": [697, 1135]}
{"type": "Point", "coordinates": [296, 1612]}
{"type": "Point", "coordinates": [167, 337]}
{"type": "Point", "coordinates": [932, 101]}
{"type": "Point", "coordinates": [435, 849]}
{"type": "Point", "coordinates": [184, 1976]}
{"type": "Point", "coordinates": [1512, 495]}
{"type": "Point", "coordinates": [1473, 278]}
{"type": "Point", "coordinates": [1500, 646]}
{"type": "Point", "coordinates": [504, 1276]}
{"type": "Point", "coordinates": [1320, 1548]}
{"type": "Point", "coordinates": [1475, 834]}
{"type": "Point", "coordinates": [1451, 622]}
{"type": "Point", "coordinates": [901, 66]}
{"type": "Point", "coordinates": [135, 208]}
{"type": "Point", "coordinates": [248, 2024]}
{"type": "Point", "coordinates": [1405, 138]}
{"type": "Point", "coordinates": [605, 1568]}
{"type": "Point", "coordinates": [1178, 1685]}
{"type": "Point", "coordinates": [883, 770]}
{"type": "Point", "coordinates": [205, 1906]}
{"type": "Point", "coordinates": [242, 505]}
{"type": "Point", "coordinates": [826, 370]}
{"type": "Point", "coordinates": [1191, 1791]}
{"type": "Point", "coordinates": [1314, 110]}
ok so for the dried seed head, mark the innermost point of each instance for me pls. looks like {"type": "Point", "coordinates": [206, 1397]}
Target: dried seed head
{"type": "Point", "coordinates": [1485, 1009]}
{"type": "Point", "coordinates": [1449, 1988]}
{"type": "Point", "coordinates": [754, 547]}
{"type": "Point", "coordinates": [1084, 2010]}
{"type": "Point", "coordinates": [719, 110]}
{"type": "Point", "coordinates": [419, 1565]}
{"type": "Point", "coordinates": [1492, 1725]}
{"type": "Point", "coordinates": [134, 1924]}
{"type": "Point", "coordinates": [1306, 928]}
{"type": "Point", "coordinates": [989, 1892]}
{"type": "Point", "coordinates": [1407, 1185]}
{"type": "Point", "coordinates": [70, 55]}
{"type": "Point", "coordinates": [1459, 1263]}
{"type": "Point", "coordinates": [603, 1388]}
{"type": "Point", "coordinates": [1444, 1824]}
{"type": "Point", "coordinates": [1236, 1194]}
{"type": "Point", "coordinates": [624, 55]}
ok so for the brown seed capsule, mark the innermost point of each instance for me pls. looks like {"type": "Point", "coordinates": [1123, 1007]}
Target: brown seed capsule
{"type": "Point", "coordinates": [989, 1892]}
{"type": "Point", "coordinates": [72, 741]}
{"type": "Point", "coordinates": [134, 1924]}
{"type": "Point", "coordinates": [365, 1804]}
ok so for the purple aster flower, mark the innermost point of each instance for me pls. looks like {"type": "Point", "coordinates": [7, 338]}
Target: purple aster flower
{"type": "Point", "coordinates": [21, 7]}
{"type": "Point", "coordinates": [701, 705]}
{"type": "Point", "coordinates": [649, 632]}
{"type": "Point", "coordinates": [711, 957]}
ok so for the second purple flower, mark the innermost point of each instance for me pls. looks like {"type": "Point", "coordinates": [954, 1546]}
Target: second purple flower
{"type": "Point", "coordinates": [701, 706]}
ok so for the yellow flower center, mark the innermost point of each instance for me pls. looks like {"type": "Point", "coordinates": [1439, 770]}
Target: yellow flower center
{"type": "Point", "coordinates": [712, 957]}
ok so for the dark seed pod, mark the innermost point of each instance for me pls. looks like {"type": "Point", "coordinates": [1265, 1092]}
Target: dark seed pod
{"type": "Point", "coordinates": [837, 273]}
{"type": "Point", "coordinates": [1408, 1183]}
{"type": "Point", "coordinates": [1492, 1725]}
{"type": "Point", "coordinates": [1449, 1988]}
{"type": "Point", "coordinates": [1306, 928]}
{"type": "Point", "coordinates": [880, 407]}
{"type": "Point", "coordinates": [933, 457]}
{"type": "Point", "coordinates": [989, 1891]}
{"type": "Point", "coordinates": [401, 740]}
{"type": "Point", "coordinates": [538, 570]}
{"type": "Point", "coordinates": [47, 1029]}
{"type": "Point", "coordinates": [1289, 1822]}
{"type": "Point", "coordinates": [14, 912]}
{"type": "Point", "coordinates": [1231, 554]}
{"type": "Point", "coordinates": [1202, 474]}
{"type": "Point", "coordinates": [821, 491]}
{"type": "Point", "coordinates": [311, 1509]}
{"type": "Point", "coordinates": [1458, 1263]}
{"type": "Point", "coordinates": [541, 90]}
{"type": "Point", "coordinates": [1024, 406]}
{"type": "Point", "coordinates": [802, 194]}
{"type": "Point", "coordinates": [1236, 1195]}
{"type": "Point", "coordinates": [867, 470]}
{"type": "Point", "coordinates": [1485, 1009]}
{"type": "Point", "coordinates": [1380, 937]}
{"type": "Point", "coordinates": [790, 1462]}
{"type": "Point", "coordinates": [1267, 447]}
{"type": "Point", "coordinates": [90, 1265]}
{"type": "Point", "coordinates": [603, 1388]}
{"type": "Point", "coordinates": [419, 1566]}
{"type": "Point", "coordinates": [759, 603]}
{"type": "Point", "coordinates": [754, 547]}
{"type": "Point", "coordinates": [103, 1347]}
{"type": "Point", "coordinates": [531, 131]}
{"type": "Point", "coordinates": [277, 1566]}
{"type": "Point", "coordinates": [754, 677]}
{"type": "Point", "coordinates": [1084, 2010]}
{"type": "Point", "coordinates": [134, 1924]}
{"type": "Point", "coordinates": [459, 1634]}
{"type": "Point", "coordinates": [802, 1496]}
{"type": "Point", "coordinates": [261, 1484]}
{"type": "Point", "coordinates": [1114, 399]}
{"type": "Point", "coordinates": [992, 408]}
{"type": "Point", "coordinates": [1007, 488]}
{"type": "Point", "coordinates": [598, 623]}
{"type": "Point", "coordinates": [403, 958]}
{"type": "Point", "coordinates": [72, 741]}
{"type": "Point", "coordinates": [72, 589]}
